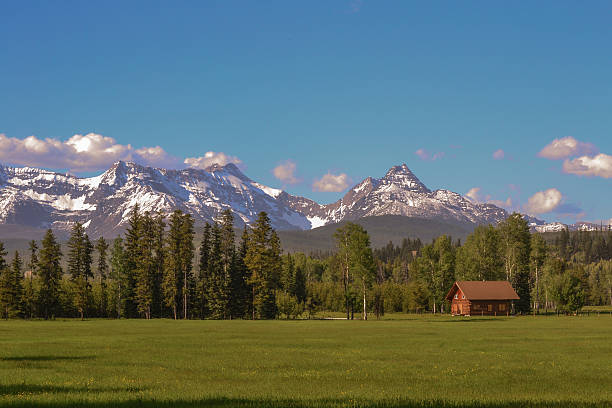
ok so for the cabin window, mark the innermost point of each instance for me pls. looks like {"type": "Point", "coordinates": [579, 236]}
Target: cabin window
{"type": "Point", "coordinates": [490, 308]}
{"type": "Point", "coordinates": [456, 296]}
{"type": "Point", "coordinates": [502, 307]}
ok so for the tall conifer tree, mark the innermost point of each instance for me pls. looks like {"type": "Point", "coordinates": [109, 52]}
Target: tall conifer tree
{"type": "Point", "coordinates": [204, 276]}
{"type": "Point", "coordinates": [50, 275]}
{"type": "Point", "coordinates": [102, 249]}
{"type": "Point", "coordinates": [11, 288]}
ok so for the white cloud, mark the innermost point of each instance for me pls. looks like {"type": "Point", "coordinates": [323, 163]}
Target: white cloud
{"type": "Point", "coordinates": [88, 152]}
{"type": "Point", "coordinates": [474, 194]}
{"type": "Point", "coordinates": [424, 154]}
{"type": "Point", "coordinates": [499, 154]}
{"type": "Point", "coordinates": [508, 204]}
{"type": "Point", "coordinates": [285, 172]}
{"type": "Point", "coordinates": [544, 201]}
{"type": "Point", "coordinates": [599, 166]}
{"type": "Point", "coordinates": [211, 158]}
{"type": "Point", "coordinates": [566, 147]}
{"type": "Point", "coordinates": [331, 183]}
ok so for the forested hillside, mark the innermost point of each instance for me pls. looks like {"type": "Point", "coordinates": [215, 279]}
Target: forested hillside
{"type": "Point", "coordinates": [160, 269]}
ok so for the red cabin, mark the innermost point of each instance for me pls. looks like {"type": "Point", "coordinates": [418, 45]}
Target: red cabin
{"type": "Point", "coordinates": [473, 298]}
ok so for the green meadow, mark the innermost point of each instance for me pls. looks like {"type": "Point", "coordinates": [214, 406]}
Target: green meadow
{"type": "Point", "coordinates": [411, 361]}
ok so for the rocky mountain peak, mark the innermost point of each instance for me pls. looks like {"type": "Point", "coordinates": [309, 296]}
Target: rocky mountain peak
{"type": "Point", "coordinates": [402, 177]}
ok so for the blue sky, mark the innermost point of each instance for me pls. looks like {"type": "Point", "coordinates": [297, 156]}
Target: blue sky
{"type": "Point", "coordinates": [348, 88]}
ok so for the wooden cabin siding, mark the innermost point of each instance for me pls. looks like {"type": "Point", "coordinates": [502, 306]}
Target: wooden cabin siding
{"type": "Point", "coordinates": [474, 302]}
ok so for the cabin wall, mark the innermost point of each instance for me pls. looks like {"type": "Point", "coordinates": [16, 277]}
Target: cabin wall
{"type": "Point", "coordinates": [490, 308]}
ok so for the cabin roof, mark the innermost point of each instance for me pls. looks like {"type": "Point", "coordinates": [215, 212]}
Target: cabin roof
{"type": "Point", "coordinates": [484, 290]}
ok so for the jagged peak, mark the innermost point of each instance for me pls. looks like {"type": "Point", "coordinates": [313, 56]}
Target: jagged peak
{"type": "Point", "coordinates": [402, 176]}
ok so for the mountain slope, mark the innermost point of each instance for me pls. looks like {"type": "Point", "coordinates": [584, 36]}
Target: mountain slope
{"type": "Point", "coordinates": [39, 199]}
{"type": "Point", "coordinates": [399, 192]}
{"type": "Point", "coordinates": [42, 199]}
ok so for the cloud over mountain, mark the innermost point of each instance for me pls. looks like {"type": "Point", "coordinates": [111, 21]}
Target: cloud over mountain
{"type": "Point", "coordinates": [79, 153]}
{"type": "Point", "coordinates": [544, 201]}
{"type": "Point", "coordinates": [331, 183]}
{"type": "Point", "coordinates": [285, 172]}
{"type": "Point", "coordinates": [211, 158]}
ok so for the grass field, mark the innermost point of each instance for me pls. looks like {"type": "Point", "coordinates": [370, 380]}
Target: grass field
{"type": "Point", "coordinates": [414, 361]}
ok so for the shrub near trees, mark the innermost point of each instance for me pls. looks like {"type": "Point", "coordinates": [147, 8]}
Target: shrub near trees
{"type": "Point", "coordinates": [150, 272]}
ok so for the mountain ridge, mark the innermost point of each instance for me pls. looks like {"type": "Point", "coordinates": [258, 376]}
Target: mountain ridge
{"type": "Point", "coordinates": [38, 198]}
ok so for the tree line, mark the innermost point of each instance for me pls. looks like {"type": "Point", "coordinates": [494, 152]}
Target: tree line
{"type": "Point", "coordinates": [155, 270]}
{"type": "Point", "coordinates": [150, 273]}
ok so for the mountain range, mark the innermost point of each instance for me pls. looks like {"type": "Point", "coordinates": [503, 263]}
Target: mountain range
{"type": "Point", "coordinates": [38, 199]}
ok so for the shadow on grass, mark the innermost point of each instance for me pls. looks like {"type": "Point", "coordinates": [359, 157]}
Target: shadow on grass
{"type": "Point", "coordinates": [33, 389]}
{"type": "Point", "coordinates": [475, 319]}
{"type": "Point", "coordinates": [323, 403]}
{"type": "Point", "coordinates": [45, 358]}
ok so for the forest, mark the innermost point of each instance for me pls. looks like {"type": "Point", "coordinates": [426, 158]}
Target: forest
{"type": "Point", "coordinates": [156, 270]}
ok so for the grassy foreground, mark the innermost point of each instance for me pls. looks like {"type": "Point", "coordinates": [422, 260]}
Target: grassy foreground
{"type": "Point", "coordinates": [414, 362]}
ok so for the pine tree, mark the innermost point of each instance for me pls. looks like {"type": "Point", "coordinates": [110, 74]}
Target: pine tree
{"type": "Point", "coordinates": [79, 267]}
{"type": "Point", "coordinates": [241, 301]}
{"type": "Point", "coordinates": [50, 275]}
{"type": "Point", "coordinates": [131, 249]}
{"type": "Point", "coordinates": [187, 252]}
{"type": "Point", "coordinates": [172, 281]}
{"type": "Point", "coordinates": [228, 278]}
{"type": "Point", "coordinates": [11, 285]}
{"type": "Point", "coordinates": [264, 263]}
{"type": "Point", "coordinates": [204, 277]}
{"type": "Point", "coordinates": [219, 282]}
{"type": "Point", "coordinates": [299, 285]}
{"type": "Point", "coordinates": [118, 280]}
{"type": "Point", "coordinates": [29, 292]}
{"type": "Point", "coordinates": [102, 249]}
{"type": "Point", "coordinates": [178, 280]}
{"type": "Point", "coordinates": [145, 266]}
{"type": "Point", "coordinates": [160, 228]}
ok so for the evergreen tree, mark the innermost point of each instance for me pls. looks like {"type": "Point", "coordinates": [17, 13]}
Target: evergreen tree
{"type": "Point", "coordinates": [117, 289]}
{"type": "Point", "coordinates": [227, 276]}
{"type": "Point", "coordinates": [187, 252]}
{"type": "Point", "coordinates": [18, 283]}
{"type": "Point", "coordinates": [11, 289]}
{"type": "Point", "coordinates": [145, 266]}
{"type": "Point", "coordinates": [29, 292]}
{"type": "Point", "coordinates": [241, 300]}
{"type": "Point", "coordinates": [132, 256]}
{"type": "Point", "coordinates": [204, 276]}
{"type": "Point", "coordinates": [79, 267]}
{"type": "Point", "coordinates": [219, 284]}
{"type": "Point", "coordinates": [50, 275]}
{"type": "Point", "coordinates": [178, 279]}
{"type": "Point", "coordinates": [299, 285]}
{"type": "Point", "coordinates": [102, 249]}
{"type": "Point", "coordinates": [263, 261]}
{"type": "Point", "coordinates": [160, 228]}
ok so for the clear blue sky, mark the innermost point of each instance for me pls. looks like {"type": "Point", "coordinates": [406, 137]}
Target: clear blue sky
{"type": "Point", "coordinates": [348, 87]}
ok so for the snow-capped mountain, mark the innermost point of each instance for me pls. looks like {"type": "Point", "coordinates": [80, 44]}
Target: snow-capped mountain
{"type": "Point", "coordinates": [578, 226]}
{"type": "Point", "coordinates": [43, 199]}
{"type": "Point", "coordinates": [399, 192]}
